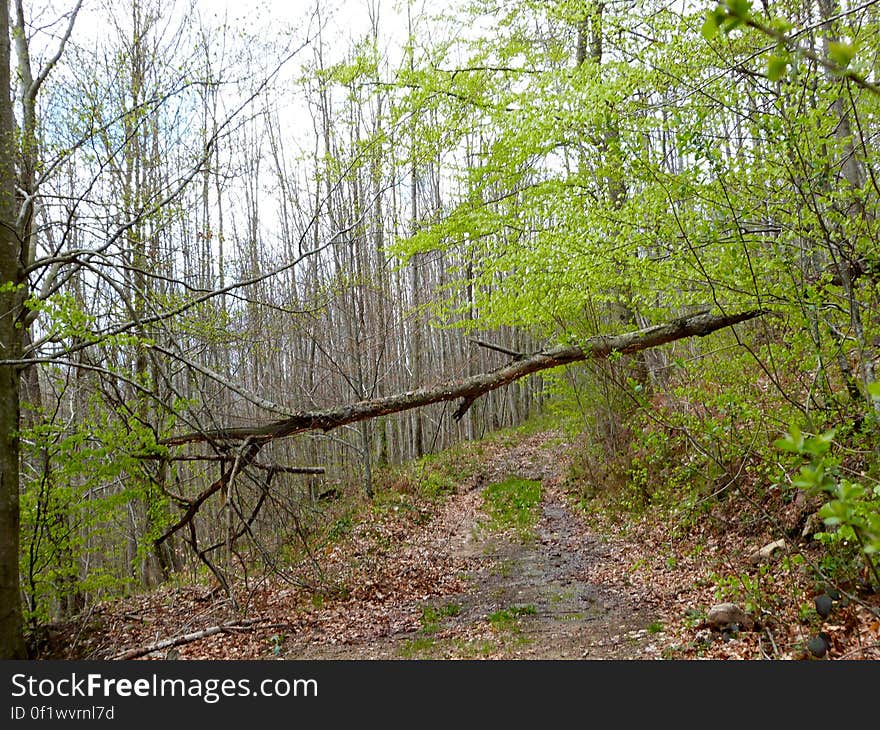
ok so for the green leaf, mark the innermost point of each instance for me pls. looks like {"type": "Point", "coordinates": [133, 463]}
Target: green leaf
{"type": "Point", "coordinates": [783, 25]}
{"type": "Point", "coordinates": [850, 492]}
{"type": "Point", "coordinates": [793, 442]}
{"type": "Point", "coordinates": [821, 444]}
{"type": "Point", "coordinates": [810, 478]}
{"type": "Point", "coordinates": [711, 25]}
{"type": "Point", "coordinates": [731, 23]}
{"type": "Point", "coordinates": [841, 53]}
{"type": "Point", "coordinates": [835, 513]}
{"type": "Point", "coordinates": [740, 8]}
{"type": "Point", "coordinates": [874, 389]}
{"type": "Point", "coordinates": [777, 66]}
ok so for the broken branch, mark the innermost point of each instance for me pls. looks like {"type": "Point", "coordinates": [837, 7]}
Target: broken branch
{"type": "Point", "coordinates": [186, 639]}
{"type": "Point", "coordinates": [253, 465]}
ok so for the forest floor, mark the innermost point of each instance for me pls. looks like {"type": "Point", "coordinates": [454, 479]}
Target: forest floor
{"type": "Point", "coordinates": [415, 577]}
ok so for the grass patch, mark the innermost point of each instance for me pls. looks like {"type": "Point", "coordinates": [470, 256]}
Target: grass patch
{"type": "Point", "coordinates": [340, 528]}
{"type": "Point", "coordinates": [426, 647]}
{"type": "Point", "coordinates": [472, 648]}
{"type": "Point", "coordinates": [503, 568]}
{"type": "Point", "coordinates": [432, 616]}
{"type": "Point", "coordinates": [434, 476]}
{"type": "Point", "coordinates": [450, 609]}
{"type": "Point", "coordinates": [578, 616]}
{"type": "Point", "coordinates": [513, 504]}
{"type": "Point", "coordinates": [560, 596]}
{"type": "Point", "coordinates": [418, 646]}
{"type": "Point", "coordinates": [507, 619]}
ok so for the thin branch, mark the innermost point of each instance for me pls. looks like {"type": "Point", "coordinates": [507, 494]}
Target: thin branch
{"type": "Point", "coordinates": [498, 348]}
{"type": "Point", "coordinates": [247, 625]}
{"type": "Point", "coordinates": [255, 465]}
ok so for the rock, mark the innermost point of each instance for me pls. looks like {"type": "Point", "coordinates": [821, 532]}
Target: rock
{"type": "Point", "coordinates": [766, 553]}
{"type": "Point", "coordinates": [823, 604]}
{"type": "Point", "coordinates": [818, 645]}
{"type": "Point", "coordinates": [724, 614]}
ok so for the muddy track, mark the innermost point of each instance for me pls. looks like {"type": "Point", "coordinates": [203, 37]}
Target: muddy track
{"type": "Point", "coordinates": [526, 597]}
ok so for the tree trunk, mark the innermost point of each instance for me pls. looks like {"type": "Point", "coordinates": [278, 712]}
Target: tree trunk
{"type": "Point", "coordinates": [468, 390]}
{"type": "Point", "coordinates": [11, 634]}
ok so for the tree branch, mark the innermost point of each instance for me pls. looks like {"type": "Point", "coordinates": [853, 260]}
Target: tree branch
{"type": "Point", "coordinates": [498, 348]}
{"type": "Point", "coordinates": [697, 325]}
{"type": "Point", "coordinates": [188, 638]}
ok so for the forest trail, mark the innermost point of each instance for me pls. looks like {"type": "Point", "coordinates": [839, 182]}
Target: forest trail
{"type": "Point", "coordinates": [526, 598]}
{"type": "Point", "coordinates": [414, 579]}
{"type": "Point", "coordinates": [529, 598]}
{"type": "Point", "coordinates": [415, 576]}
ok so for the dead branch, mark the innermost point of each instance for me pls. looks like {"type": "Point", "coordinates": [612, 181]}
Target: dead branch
{"type": "Point", "coordinates": [468, 390]}
{"type": "Point", "coordinates": [497, 348]}
{"type": "Point", "coordinates": [188, 638]}
{"type": "Point", "coordinates": [247, 456]}
{"type": "Point", "coordinates": [277, 468]}
{"type": "Point", "coordinates": [697, 325]}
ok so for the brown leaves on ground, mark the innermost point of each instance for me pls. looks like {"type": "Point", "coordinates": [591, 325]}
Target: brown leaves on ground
{"type": "Point", "coordinates": [594, 585]}
{"type": "Point", "coordinates": [685, 575]}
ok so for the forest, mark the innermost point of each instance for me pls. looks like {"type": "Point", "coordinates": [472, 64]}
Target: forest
{"type": "Point", "coordinates": [481, 329]}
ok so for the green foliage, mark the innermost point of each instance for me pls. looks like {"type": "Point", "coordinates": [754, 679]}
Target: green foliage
{"type": "Point", "coordinates": [277, 644]}
{"type": "Point", "coordinates": [841, 54]}
{"type": "Point", "coordinates": [758, 592]}
{"type": "Point", "coordinates": [434, 484]}
{"type": "Point", "coordinates": [432, 616]}
{"type": "Point", "coordinates": [434, 476]}
{"type": "Point", "coordinates": [852, 511]}
{"type": "Point", "coordinates": [726, 17]}
{"type": "Point", "coordinates": [777, 64]}
{"type": "Point", "coordinates": [420, 645]}
{"type": "Point", "coordinates": [729, 15]}
{"type": "Point", "coordinates": [339, 528]}
{"type": "Point", "coordinates": [541, 241]}
{"type": "Point", "coordinates": [75, 509]}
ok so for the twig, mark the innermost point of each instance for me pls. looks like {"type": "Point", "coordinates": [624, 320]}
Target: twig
{"type": "Point", "coordinates": [772, 641]}
{"type": "Point", "coordinates": [230, 459]}
{"type": "Point", "coordinates": [860, 649]}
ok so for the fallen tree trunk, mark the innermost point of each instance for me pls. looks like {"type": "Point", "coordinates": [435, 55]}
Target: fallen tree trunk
{"type": "Point", "coordinates": [468, 390]}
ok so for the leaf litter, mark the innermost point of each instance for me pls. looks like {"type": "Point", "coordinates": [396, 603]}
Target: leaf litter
{"type": "Point", "coordinates": [427, 578]}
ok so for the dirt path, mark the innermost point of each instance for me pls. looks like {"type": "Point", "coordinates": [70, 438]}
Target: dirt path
{"type": "Point", "coordinates": [413, 577]}
{"type": "Point", "coordinates": [524, 598]}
